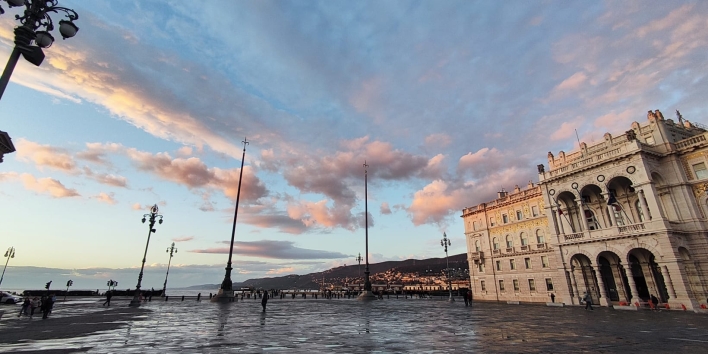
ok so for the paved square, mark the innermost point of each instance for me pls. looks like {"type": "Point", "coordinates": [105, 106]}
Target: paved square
{"type": "Point", "coordinates": [347, 326]}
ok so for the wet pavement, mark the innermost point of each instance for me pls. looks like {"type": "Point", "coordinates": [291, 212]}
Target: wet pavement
{"type": "Point", "coordinates": [348, 326]}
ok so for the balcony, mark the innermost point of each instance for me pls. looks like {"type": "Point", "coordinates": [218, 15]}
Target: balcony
{"type": "Point", "coordinates": [601, 234]}
{"type": "Point", "coordinates": [525, 248]}
{"type": "Point", "coordinates": [510, 250]}
{"type": "Point", "coordinates": [496, 251]}
{"type": "Point", "coordinates": [477, 255]}
{"type": "Point", "coordinates": [541, 246]}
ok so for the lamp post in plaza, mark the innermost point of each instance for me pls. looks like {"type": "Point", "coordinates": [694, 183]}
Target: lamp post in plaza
{"type": "Point", "coordinates": [226, 292]}
{"type": "Point", "coordinates": [34, 34]}
{"type": "Point", "coordinates": [359, 259]}
{"type": "Point", "coordinates": [366, 295]}
{"type": "Point", "coordinates": [10, 253]}
{"type": "Point", "coordinates": [30, 38]}
{"type": "Point", "coordinates": [171, 250]}
{"type": "Point", "coordinates": [446, 242]}
{"type": "Point", "coordinates": [153, 216]}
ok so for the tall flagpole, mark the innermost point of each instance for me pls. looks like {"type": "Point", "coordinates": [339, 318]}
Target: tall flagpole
{"type": "Point", "coordinates": [366, 295]}
{"type": "Point", "coordinates": [226, 292]}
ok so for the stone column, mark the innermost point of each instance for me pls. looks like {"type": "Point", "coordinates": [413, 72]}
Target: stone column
{"type": "Point", "coordinates": [575, 285]}
{"type": "Point", "coordinates": [632, 284]}
{"type": "Point", "coordinates": [604, 301]}
{"type": "Point", "coordinates": [621, 289]}
{"type": "Point", "coordinates": [560, 223]}
{"type": "Point", "coordinates": [581, 216]}
{"type": "Point", "coordinates": [667, 280]}
{"type": "Point", "coordinates": [643, 204]}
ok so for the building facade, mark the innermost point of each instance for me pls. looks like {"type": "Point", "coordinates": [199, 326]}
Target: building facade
{"type": "Point", "coordinates": [625, 218]}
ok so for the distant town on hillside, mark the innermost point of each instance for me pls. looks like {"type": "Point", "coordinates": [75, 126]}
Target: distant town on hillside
{"type": "Point", "coordinates": [421, 273]}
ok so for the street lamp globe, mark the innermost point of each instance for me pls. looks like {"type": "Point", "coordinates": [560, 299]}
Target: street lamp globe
{"type": "Point", "coordinates": [67, 29]}
{"type": "Point", "coordinates": [44, 39]}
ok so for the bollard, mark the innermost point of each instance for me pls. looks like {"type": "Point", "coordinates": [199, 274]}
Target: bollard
{"type": "Point", "coordinates": [182, 297]}
{"type": "Point", "coordinates": [166, 297]}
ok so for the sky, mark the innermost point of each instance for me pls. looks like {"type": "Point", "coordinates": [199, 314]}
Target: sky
{"type": "Point", "coordinates": [447, 103]}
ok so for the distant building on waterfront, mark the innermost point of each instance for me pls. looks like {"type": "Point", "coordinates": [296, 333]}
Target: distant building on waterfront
{"type": "Point", "coordinates": [621, 219]}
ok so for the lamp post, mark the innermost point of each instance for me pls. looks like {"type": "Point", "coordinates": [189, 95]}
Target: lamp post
{"type": "Point", "coordinates": [111, 283]}
{"type": "Point", "coordinates": [153, 217]}
{"type": "Point", "coordinates": [446, 242]}
{"type": "Point", "coordinates": [226, 292]}
{"type": "Point", "coordinates": [171, 250]}
{"type": "Point", "coordinates": [366, 295]}
{"type": "Point", "coordinates": [359, 259]}
{"type": "Point", "coordinates": [28, 40]}
{"type": "Point", "coordinates": [10, 253]}
{"type": "Point", "coordinates": [35, 17]}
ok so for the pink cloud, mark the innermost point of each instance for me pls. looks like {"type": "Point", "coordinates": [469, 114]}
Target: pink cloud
{"type": "Point", "coordinates": [106, 198]}
{"type": "Point", "coordinates": [47, 186]}
{"type": "Point", "coordinates": [45, 156]}
{"type": "Point", "coordinates": [385, 209]}
{"type": "Point", "coordinates": [183, 239]}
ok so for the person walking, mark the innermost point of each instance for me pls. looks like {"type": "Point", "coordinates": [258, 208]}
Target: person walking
{"type": "Point", "coordinates": [553, 297]}
{"type": "Point", "coordinates": [654, 302]}
{"type": "Point", "coordinates": [264, 301]}
{"type": "Point", "coordinates": [588, 301]}
{"type": "Point", "coordinates": [25, 307]}
{"type": "Point", "coordinates": [109, 295]}
{"type": "Point", "coordinates": [464, 295]}
{"type": "Point", "coordinates": [34, 303]}
{"type": "Point", "coordinates": [199, 297]}
{"type": "Point", "coordinates": [46, 306]}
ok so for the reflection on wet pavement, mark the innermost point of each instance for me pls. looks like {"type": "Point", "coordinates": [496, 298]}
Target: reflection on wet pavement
{"type": "Point", "coordinates": [388, 326]}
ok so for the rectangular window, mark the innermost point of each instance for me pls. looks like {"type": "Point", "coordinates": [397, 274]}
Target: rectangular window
{"type": "Point", "coordinates": [498, 265]}
{"type": "Point", "coordinates": [512, 264]}
{"type": "Point", "coordinates": [505, 218]}
{"type": "Point", "coordinates": [700, 170]}
{"type": "Point", "coordinates": [527, 262]}
{"type": "Point", "coordinates": [516, 285]}
{"type": "Point", "coordinates": [549, 284]}
{"type": "Point", "coordinates": [519, 215]}
{"type": "Point", "coordinates": [532, 285]}
{"type": "Point", "coordinates": [544, 261]}
{"type": "Point", "coordinates": [501, 285]}
{"type": "Point", "coordinates": [534, 211]}
{"type": "Point", "coordinates": [483, 285]}
{"type": "Point", "coordinates": [474, 225]}
{"type": "Point", "coordinates": [491, 221]}
{"type": "Point", "coordinates": [480, 267]}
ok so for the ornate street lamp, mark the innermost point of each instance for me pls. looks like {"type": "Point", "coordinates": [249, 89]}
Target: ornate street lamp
{"type": "Point", "coordinates": [446, 242]}
{"type": "Point", "coordinates": [111, 283]}
{"type": "Point", "coordinates": [359, 259]}
{"type": "Point", "coordinates": [366, 295]}
{"type": "Point", "coordinates": [10, 253]}
{"type": "Point", "coordinates": [36, 24]}
{"type": "Point", "coordinates": [171, 250]}
{"type": "Point", "coordinates": [33, 34]}
{"type": "Point", "coordinates": [226, 292]}
{"type": "Point", "coordinates": [153, 217]}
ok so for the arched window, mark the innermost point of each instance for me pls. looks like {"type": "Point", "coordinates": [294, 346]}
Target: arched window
{"type": "Point", "coordinates": [509, 241]}
{"type": "Point", "coordinates": [524, 239]}
{"type": "Point", "coordinates": [593, 224]}
{"type": "Point", "coordinates": [539, 237]}
{"type": "Point", "coordinates": [477, 246]}
{"type": "Point", "coordinates": [496, 243]}
{"type": "Point", "coordinates": [640, 212]}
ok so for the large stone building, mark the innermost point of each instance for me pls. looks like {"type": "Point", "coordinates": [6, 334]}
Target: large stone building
{"type": "Point", "coordinates": [620, 219]}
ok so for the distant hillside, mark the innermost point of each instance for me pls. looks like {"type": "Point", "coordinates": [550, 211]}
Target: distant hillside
{"type": "Point", "coordinates": [341, 274]}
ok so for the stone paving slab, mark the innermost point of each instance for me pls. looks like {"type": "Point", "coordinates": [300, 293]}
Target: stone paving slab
{"type": "Point", "coordinates": [348, 326]}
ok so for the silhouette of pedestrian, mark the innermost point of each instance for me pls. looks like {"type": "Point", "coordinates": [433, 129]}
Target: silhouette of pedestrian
{"type": "Point", "coordinates": [588, 301]}
{"type": "Point", "coordinates": [553, 297]}
{"type": "Point", "coordinates": [109, 295]}
{"type": "Point", "coordinates": [467, 301]}
{"type": "Point", "coordinates": [199, 297]}
{"type": "Point", "coordinates": [264, 301]}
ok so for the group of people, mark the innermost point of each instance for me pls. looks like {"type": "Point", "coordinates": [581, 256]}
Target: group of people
{"type": "Point", "coordinates": [45, 304]}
